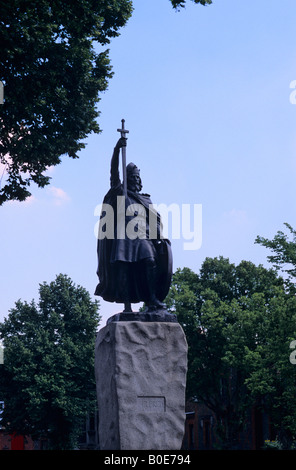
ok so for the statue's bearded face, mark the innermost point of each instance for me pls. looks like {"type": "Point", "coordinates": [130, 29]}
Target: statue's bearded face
{"type": "Point", "coordinates": [134, 182]}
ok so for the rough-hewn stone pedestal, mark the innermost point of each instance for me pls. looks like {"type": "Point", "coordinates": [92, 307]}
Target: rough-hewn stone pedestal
{"type": "Point", "coordinates": [140, 372]}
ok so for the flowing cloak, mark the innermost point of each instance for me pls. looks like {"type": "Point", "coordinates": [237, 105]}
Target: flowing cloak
{"type": "Point", "coordinates": [121, 269]}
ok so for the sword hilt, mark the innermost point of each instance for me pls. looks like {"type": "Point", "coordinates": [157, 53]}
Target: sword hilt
{"type": "Point", "coordinates": [123, 131]}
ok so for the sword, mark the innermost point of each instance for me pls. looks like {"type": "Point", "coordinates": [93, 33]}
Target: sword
{"type": "Point", "coordinates": [123, 131]}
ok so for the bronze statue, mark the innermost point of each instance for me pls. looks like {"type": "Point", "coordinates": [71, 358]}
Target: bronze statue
{"type": "Point", "coordinates": [136, 264]}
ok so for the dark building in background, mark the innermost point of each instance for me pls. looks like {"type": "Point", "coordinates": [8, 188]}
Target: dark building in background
{"type": "Point", "coordinates": [200, 429]}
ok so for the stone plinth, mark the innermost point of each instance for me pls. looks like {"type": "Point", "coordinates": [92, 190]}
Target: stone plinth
{"type": "Point", "coordinates": [140, 370]}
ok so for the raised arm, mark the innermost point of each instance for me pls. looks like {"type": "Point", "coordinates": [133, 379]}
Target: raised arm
{"type": "Point", "coordinates": [114, 178]}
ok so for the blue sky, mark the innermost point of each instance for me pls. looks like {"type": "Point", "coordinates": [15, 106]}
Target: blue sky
{"type": "Point", "coordinates": [205, 93]}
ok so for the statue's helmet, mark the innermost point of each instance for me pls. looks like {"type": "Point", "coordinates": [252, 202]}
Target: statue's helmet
{"type": "Point", "coordinates": [133, 177]}
{"type": "Point", "coordinates": [132, 169]}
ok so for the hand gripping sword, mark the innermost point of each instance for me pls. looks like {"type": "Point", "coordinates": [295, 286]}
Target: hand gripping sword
{"type": "Point", "coordinates": [123, 131]}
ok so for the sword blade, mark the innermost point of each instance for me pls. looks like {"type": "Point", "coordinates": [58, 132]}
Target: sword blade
{"type": "Point", "coordinates": [123, 131]}
{"type": "Point", "coordinates": [124, 170]}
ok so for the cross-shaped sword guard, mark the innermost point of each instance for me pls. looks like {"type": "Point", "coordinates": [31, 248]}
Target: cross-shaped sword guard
{"type": "Point", "coordinates": [123, 131]}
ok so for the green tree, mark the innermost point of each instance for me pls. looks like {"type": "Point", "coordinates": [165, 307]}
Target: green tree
{"type": "Point", "coordinates": [271, 376]}
{"type": "Point", "coordinates": [182, 3]}
{"type": "Point", "coordinates": [283, 386]}
{"type": "Point", "coordinates": [47, 380]}
{"type": "Point", "coordinates": [284, 257]}
{"type": "Point", "coordinates": [55, 65]}
{"type": "Point", "coordinates": [53, 77]}
{"type": "Point", "coordinates": [230, 315]}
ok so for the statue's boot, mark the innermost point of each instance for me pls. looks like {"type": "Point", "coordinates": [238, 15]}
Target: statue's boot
{"type": "Point", "coordinates": [127, 307]}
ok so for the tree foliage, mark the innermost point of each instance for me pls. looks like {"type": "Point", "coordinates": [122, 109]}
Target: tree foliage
{"type": "Point", "coordinates": [47, 380]}
{"type": "Point", "coordinates": [284, 257]}
{"type": "Point", "coordinates": [239, 322]}
{"type": "Point", "coordinates": [53, 77]}
{"type": "Point", "coordinates": [182, 3]}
